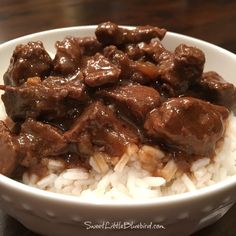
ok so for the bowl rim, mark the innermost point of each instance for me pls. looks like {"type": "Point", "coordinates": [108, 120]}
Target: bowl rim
{"type": "Point", "coordinates": [164, 200]}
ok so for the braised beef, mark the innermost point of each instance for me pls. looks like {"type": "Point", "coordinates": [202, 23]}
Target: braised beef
{"type": "Point", "coordinates": [135, 99]}
{"type": "Point", "coordinates": [172, 72]}
{"type": "Point", "coordinates": [134, 52]}
{"type": "Point", "coordinates": [187, 124]}
{"type": "Point", "coordinates": [180, 69]}
{"type": "Point", "coordinates": [68, 56]}
{"type": "Point", "coordinates": [215, 89]}
{"type": "Point", "coordinates": [119, 58]}
{"type": "Point", "coordinates": [110, 33]}
{"type": "Point", "coordinates": [48, 99]}
{"type": "Point", "coordinates": [35, 142]}
{"type": "Point", "coordinates": [141, 72]}
{"type": "Point", "coordinates": [99, 71]}
{"type": "Point", "coordinates": [151, 51]}
{"type": "Point", "coordinates": [38, 140]}
{"type": "Point", "coordinates": [89, 45]}
{"type": "Point", "coordinates": [154, 50]}
{"type": "Point", "coordinates": [100, 94]}
{"type": "Point", "coordinates": [8, 151]}
{"type": "Point", "coordinates": [98, 128]}
{"type": "Point", "coordinates": [28, 60]}
{"type": "Point", "coordinates": [189, 61]}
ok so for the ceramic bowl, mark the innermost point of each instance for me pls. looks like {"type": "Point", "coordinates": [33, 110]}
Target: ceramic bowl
{"type": "Point", "coordinates": [55, 214]}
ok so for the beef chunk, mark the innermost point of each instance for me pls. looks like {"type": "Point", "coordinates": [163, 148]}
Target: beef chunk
{"type": "Point", "coordinates": [180, 69]}
{"type": "Point", "coordinates": [38, 140]}
{"type": "Point", "coordinates": [70, 51]}
{"type": "Point", "coordinates": [35, 142]}
{"type": "Point", "coordinates": [68, 56]}
{"type": "Point", "coordinates": [89, 45]}
{"type": "Point", "coordinates": [134, 52]}
{"type": "Point", "coordinates": [135, 99]}
{"type": "Point", "coordinates": [173, 73]}
{"type": "Point", "coordinates": [110, 33]}
{"type": "Point", "coordinates": [27, 61]}
{"type": "Point", "coordinates": [119, 58]}
{"type": "Point", "coordinates": [215, 89]}
{"type": "Point", "coordinates": [99, 71]}
{"type": "Point", "coordinates": [47, 99]}
{"type": "Point", "coordinates": [8, 151]}
{"type": "Point", "coordinates": [152, 51]}
{"type": "Point", "coordinates": [189, 61]}
{"type": "Point", "coordinates": [98, 128]}
{"type": "Point", "coordinates": [142, 72]}
{"type": "Point", "coordinates": [187, 124]}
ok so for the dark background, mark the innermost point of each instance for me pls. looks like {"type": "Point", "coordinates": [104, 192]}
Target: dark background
{"type": "Point", "coordinates": [212, 21]}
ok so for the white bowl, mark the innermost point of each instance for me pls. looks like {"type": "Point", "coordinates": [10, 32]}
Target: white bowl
{"type": "Point", "coordinates": [54, 214]}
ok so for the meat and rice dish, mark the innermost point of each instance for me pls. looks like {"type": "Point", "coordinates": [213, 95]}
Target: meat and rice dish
{"type": "Point", "coordinates": [116, 116]}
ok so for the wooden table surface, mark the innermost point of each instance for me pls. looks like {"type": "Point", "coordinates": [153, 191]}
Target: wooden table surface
{"type": "Point", "coordinates": [212, 21]}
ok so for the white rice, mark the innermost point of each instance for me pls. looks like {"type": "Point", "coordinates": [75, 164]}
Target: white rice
{"type": "Point", "coordinates": [128, 181]}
